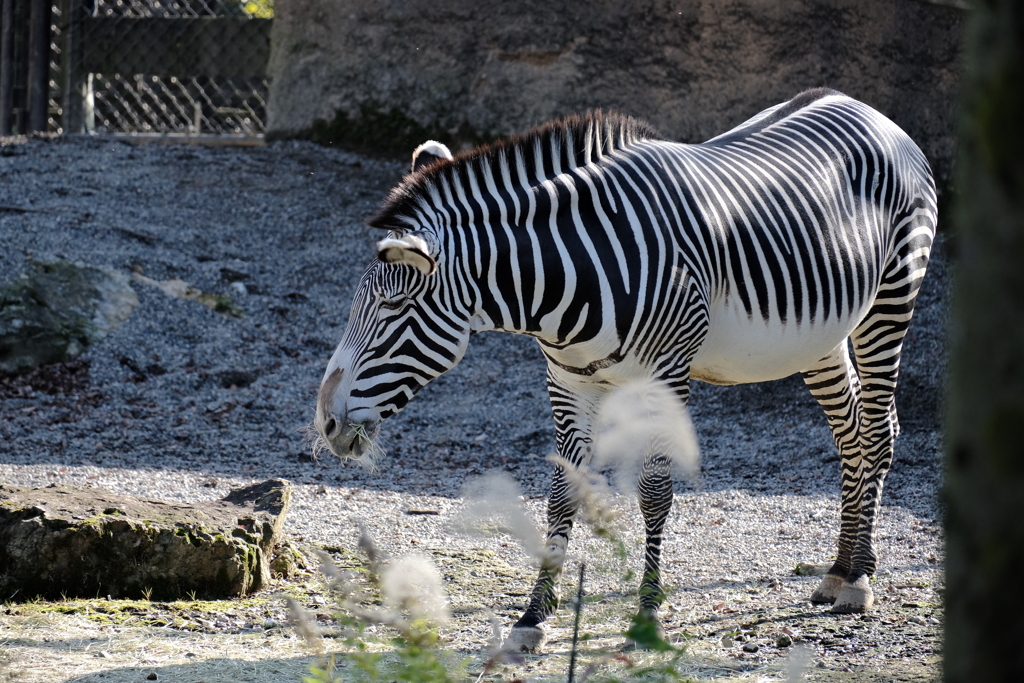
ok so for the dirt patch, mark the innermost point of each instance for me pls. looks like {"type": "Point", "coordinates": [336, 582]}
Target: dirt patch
{"type": "Point", "coordinates": [55, 380]}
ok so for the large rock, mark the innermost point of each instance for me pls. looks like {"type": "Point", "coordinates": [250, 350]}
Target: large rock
{"type": "Point", "coordinates": [57, 309]}
{"type": "Point", "coordinates": [83, 542]}
{"type": "Point", "coordinates": [468, 69]}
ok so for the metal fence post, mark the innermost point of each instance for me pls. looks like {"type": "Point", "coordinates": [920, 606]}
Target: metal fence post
{"type": "Point", "coordinates": [6, 66]}
{"type": "Point", "coordinates": [38, 65]}
{"type": "Point", "coordinates": [72, 88]}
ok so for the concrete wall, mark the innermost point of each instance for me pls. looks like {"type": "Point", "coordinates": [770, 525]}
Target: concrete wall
{"type": "Point", "coordinates": [693, 68]}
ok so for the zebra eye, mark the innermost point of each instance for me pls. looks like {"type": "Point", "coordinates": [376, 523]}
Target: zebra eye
{"type": "Point", "coordinates": [391, 303]}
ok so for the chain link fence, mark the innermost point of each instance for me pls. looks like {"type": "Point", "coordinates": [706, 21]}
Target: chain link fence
{"type": "Point", "coordinates": [183, 67]}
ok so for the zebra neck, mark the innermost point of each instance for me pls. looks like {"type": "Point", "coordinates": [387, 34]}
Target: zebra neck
{"type": "Point", "coordinates": [520, 282]}
{"type": "Point", "coordinates": [506, 209]}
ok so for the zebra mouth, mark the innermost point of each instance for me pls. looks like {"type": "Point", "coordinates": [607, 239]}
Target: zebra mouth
{"type": "Point", "coordinates": [357, 440]}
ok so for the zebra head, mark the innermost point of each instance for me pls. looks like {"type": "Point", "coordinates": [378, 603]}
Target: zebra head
{"type": "Point", "coordinates": [403, 331]}
{"type": "Point", "coordinates": [400, 335]}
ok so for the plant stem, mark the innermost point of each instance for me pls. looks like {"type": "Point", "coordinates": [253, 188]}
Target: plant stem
{"type": "Point", "coordinates": [576, 624]}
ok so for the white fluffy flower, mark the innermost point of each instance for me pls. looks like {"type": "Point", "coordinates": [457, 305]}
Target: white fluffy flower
{"type": "Point", "coordinates": [638, 419]}
{"type": "Point", "coordinates": [494, 503]}
{"type": "Point", "coordinates": [413, 584]}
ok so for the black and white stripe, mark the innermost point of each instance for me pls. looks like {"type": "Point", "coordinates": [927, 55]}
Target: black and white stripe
{"type": "Point", "coordinates": [759, 253]}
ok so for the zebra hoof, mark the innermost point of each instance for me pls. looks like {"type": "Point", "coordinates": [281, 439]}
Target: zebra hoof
{"type": "Point", "coordinates": [524, 639]}
{"type": "Point", "coordinates": [645, 633]}
{"type": "Point", "coordinates": [828, 590]}
{"type": "Point", "coordinates": [855, 597]}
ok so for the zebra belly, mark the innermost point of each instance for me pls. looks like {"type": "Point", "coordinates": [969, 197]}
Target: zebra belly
{"type": "Point", "coordinates": [741, 350]}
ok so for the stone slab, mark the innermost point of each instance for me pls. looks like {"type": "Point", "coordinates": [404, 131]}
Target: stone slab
{"type": "Point", "coordinates": [66, 541]}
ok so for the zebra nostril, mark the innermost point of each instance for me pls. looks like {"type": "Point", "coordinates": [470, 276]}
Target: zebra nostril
{"type": "Point", "coordinates": [331, 428]}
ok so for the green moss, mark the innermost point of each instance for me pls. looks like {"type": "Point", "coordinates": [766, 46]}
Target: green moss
{"type": "Point", "coordinates": [221, 303]}
{"type": "Point", "coordinates": [244, 535]}
{"type": "Point", "coordinates": [179, 614]}
{"type": "Point", "coordinates": [344, 557]}
{"type": "Point", "coordinates": [102, 519]}
{"type": "Point", "coordinates": [389, 133]}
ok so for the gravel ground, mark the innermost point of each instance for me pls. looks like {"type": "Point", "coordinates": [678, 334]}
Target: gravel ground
{"type": "Point", "coordinates": [182, 403]}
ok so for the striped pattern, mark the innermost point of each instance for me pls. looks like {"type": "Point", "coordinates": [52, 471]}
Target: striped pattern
{"type": "Point", "coordinates": [760, 253]}
{"type": "Point", "coordinates": [400, 347]}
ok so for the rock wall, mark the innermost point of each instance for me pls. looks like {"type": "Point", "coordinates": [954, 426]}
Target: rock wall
{"type": "Point", "coordinates": [473, 69]}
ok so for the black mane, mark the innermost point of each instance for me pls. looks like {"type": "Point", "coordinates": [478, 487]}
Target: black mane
{"type": "Point", "coordinates": [592, 135]}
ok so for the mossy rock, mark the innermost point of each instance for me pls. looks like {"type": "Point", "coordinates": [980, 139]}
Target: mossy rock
{"type": "Point", "coordinates": [56, 310]}
{"type": "Point", "coordinates": [65, 541]}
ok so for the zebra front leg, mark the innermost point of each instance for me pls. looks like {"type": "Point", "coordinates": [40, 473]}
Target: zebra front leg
{"type": "Point", "coordinates": [527, 634]}
{"type": "Point", "coordinates": [573, 410]}
{"type": "Point", "coordinates": [655, 494]}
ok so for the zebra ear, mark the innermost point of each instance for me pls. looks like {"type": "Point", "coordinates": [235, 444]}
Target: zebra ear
{"type": "Point", "coordinates": [429, 153]}
{"type": "Point", "coordinates": [412, 250]}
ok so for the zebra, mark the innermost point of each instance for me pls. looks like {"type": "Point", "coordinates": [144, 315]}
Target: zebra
{"type": "Point", "coordinates": [766, 251]}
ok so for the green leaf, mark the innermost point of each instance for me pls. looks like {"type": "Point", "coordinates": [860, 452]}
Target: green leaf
{"type": "Point", "coordinates": [647, 634]}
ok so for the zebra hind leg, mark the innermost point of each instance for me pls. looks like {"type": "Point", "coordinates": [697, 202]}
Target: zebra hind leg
{"type": "Point", "coordinates": [655, 494]}
{"type": "Point", "coordinates": [834, 383]}
{"type": "Point", "coordinates": [877, 344]}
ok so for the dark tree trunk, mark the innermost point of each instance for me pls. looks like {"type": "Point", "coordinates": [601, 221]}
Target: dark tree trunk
{"type": "Point", "coordinates": [985, 394]}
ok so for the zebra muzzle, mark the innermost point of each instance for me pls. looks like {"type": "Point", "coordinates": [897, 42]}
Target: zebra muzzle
{"type": "Point", "coordinates": [348, 434]}
{"type": "Point", "coordinates": [347, 438]}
